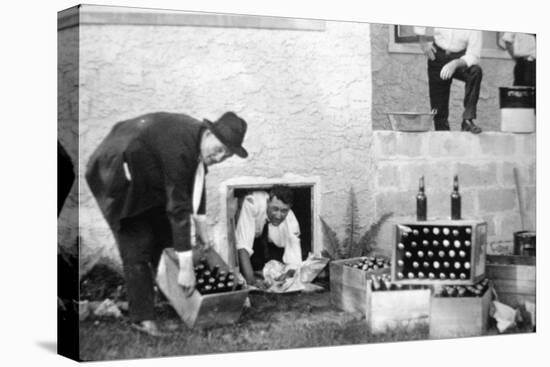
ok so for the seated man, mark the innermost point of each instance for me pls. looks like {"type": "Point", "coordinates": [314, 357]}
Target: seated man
{"type": "Point", "coordinates": [267, 230]}
{"type": "Point", "coordinates": [453, 54]}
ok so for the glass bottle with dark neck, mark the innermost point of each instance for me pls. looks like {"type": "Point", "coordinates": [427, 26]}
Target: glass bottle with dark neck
{"type": "Point", "coordinates": [421, 202]}
{"type": "Point", "coordinates": [455, 201]}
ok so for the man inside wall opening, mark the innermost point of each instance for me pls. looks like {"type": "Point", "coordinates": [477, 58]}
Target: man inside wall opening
{"type": "Point", "coordinates": [148, 178]}
{"type": "Point", "coordinates": [267, 229]}
{"type": "Point", "coordinates": [453, 54]}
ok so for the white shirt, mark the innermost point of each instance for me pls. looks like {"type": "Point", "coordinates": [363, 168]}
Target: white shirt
{"type": "Point", "coordinates": [252, 219]}
{"type": "Point", "coordinates": [455, 40]}
{"type": "Point", "coordinates": [524, 45]}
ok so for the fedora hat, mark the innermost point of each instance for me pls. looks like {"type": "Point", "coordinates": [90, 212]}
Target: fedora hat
{"type": "Point", "coordinates": [230, 130]}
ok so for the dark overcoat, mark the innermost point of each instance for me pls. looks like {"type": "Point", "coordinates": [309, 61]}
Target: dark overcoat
{"type": "Point", "coordinates": [146, 162]}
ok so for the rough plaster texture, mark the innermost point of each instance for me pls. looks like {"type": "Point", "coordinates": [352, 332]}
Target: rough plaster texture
{"type": "Point", "coordinates": [400, 83]}
{"type": "Point", "coordinates": [484, 164]}
{"type": "Point", "coordinates": [305, 95]}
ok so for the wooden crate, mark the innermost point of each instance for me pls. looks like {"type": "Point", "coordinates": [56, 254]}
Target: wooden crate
{"type": "Point", "coordinates": [513, 277]}
{"type": "Point", "coordinates": [199, 310]}
{"type": "Point", "coordinates": [348, 285]}
{"type": "Point", "coordinates": [454, 317]}
{"type": "Point", "coordinates": [474, 231]}
{"type": "Point", "coordinates": [401, 310]}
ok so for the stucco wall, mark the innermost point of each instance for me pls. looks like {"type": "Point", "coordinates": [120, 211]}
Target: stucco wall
{"type": "Point", "coordinates": [400, 83]}
{"type": "Point", "coordinates": [306, 96]}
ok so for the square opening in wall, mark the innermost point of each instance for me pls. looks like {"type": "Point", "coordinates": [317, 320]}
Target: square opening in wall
{"type": "Point", "coordinates": [302, 209]}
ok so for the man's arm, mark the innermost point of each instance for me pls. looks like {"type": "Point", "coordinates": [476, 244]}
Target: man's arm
{"type": "Point", "coordinates": [471, 57]}
{"type": "Point", "coordinates": [425, 42]}
{"type": "Point", "coordinates": [508, 39]}
{"type": "Point", "coordinates": [246, 266]}
{"type": "Point", "coordinates": [177, 168]}
{"type": "Point", "coordinates": [244, 237]}
{"type": "Point", "coordinates": [293, 249]}
{"type": "Point", "coordinates": [449, 69]}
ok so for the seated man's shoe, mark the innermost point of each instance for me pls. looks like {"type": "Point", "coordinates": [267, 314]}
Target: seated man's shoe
{"type": "Point", "coordinates": [468, 125]}
{"type": "Point", "coordinates": [149, 327]}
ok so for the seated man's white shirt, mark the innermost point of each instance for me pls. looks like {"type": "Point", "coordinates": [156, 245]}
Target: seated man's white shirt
{"type": "Point", "coordinates": [252, 219]}
{"type": "Point", "coordinates": [455, 40]}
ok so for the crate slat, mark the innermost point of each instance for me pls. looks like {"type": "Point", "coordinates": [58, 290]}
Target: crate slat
{"type": "Point", "coordinates": [350, 299]}
{"type": "Point", "coordinates": [399, 309]}
{"type": "Point", "coordinates": [452, 317]}
{"type": "Point", "coordinates": [513, 277]}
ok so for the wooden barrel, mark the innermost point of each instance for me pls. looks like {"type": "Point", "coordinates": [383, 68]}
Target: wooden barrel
{"type": "Point", "coordinates": [514, 278]}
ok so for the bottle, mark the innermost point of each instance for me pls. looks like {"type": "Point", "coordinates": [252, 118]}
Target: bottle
{"type": "Point", "coordinates": [207, 289]}
{"type": "Point", "coordinates": [386, 281]}
{"type": "Point", "coordinates": [375, 282]}
{"type": "Point", "coordinates": [215, 271]}
{"type": "Point", "coordinates": [455, 201]}
{"type": "Point", "coordinates": [240, 284]}
{"type": "Point", "coordinates": [421, 202]}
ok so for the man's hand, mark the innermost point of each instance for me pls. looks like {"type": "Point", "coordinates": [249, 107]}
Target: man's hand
{"type": "Point", "coordinates": [259, 283]}
{"type": "Point", "coordinates": [448, 70]}
{"type": "Point", "coordinates": [186, 275]}
{"type": "Point", "coordinates": [428, 49]}
{"type": "Point", "coordinates": [203, 233]}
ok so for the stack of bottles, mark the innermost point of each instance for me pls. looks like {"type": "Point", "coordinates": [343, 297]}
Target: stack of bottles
{"type": "Point", "coordinates": [476, 290]}
{"type": "Point", "coordinates": [369, 263]}
{"type": "Point", "coordinates": [213, 280]}
{"type": "Point", "coordinates": [435, 252]}
{"type": "Point", "coordinates": [383, 283]}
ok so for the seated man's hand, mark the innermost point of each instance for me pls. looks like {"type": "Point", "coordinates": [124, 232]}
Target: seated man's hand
{"type": "Point", "coordinates": [428, 49]}
{"type": "Point", "coordinates": [448, 70]}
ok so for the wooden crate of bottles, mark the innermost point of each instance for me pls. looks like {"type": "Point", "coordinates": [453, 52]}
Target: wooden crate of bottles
{"type": "Point", "coordinates": [218, 299]}
{"type": "Point", "coordinates": [513, 277]}
{"type": "Point", "coordinates": [395, 306]}
{"type": "Point", "coordinates": [439, 252]}
{"type": "Point", "coordinates": [460, 311]}
{"type": "Point", "coordinates": [349, 281]}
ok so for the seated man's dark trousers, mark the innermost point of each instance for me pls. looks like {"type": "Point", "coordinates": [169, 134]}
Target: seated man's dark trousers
{"type": "Point", "coordinates": [141, 240]}
{"type": "Point", "coordinates": [440, 89]}
{"type": "Point", "coordinates": [264, 251]}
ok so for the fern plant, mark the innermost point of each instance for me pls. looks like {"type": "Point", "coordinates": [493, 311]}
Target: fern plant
{"type": "Point", "coordinates": [354, 244]}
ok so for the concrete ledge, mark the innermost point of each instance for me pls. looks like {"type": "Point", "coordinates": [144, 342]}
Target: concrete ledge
{"type": "Point", "coordinates": [113, 15]}
{"type": "Point", "coordinates": [444, 145]}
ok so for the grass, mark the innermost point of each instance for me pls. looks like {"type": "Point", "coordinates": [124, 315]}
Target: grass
{"type": "Point", "coordinates": [275, 321]}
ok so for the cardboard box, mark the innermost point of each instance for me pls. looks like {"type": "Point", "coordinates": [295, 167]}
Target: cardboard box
{"type": "Point", "coordinates": [199, 310]}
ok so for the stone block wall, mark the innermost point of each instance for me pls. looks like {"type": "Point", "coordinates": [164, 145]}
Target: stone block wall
{"type": "Point", "coordinates": [305, 95]}
{"type": "Point", "coordinates": [484, 163]}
